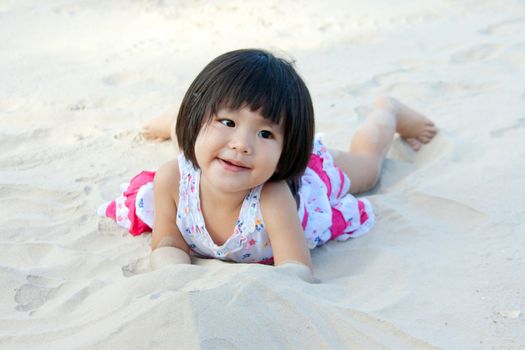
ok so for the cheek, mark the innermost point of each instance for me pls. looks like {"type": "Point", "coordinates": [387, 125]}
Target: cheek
{"type": "Point", "coordinates": [276, 159]}
{"type": "Point", "coordinates": [278, 165]}
{"type": "Point", "coordinates": [203, 139]}
{"type": "Point", "coordinates": [200, 148]}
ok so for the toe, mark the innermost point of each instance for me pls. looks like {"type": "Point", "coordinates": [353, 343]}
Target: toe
{"type": "Point", "coordinates": [427, 135]}
{"type": "Point", "coordinates": [432, 133]}
{"type": "Point", "coordinates": [146, 134]}
{"type": "Point", "coordinates": [414, 144]}
{"type": "Point", "coordinates": [423, 139]}
{"type": "Point", "coordinates": [432, 129]}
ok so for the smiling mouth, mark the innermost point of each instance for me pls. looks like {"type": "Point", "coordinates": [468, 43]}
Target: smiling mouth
{"type": "Point", "coordinates": [232, 166]}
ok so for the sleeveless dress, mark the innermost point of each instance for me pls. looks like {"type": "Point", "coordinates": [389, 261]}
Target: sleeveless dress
{"type": "Point", "coordinates": [326, 211]}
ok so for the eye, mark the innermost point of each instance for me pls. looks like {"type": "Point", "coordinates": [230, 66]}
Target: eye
{"type": "Point", "coordinates": [265, 134]}
{"type": "Point", "coordinates": [229, 123]}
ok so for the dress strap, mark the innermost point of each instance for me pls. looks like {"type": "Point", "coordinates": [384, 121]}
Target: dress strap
{"type": "Point", "coordinates": [185, 166]}
{"type": "Point", "coordinates": [251, 210]}
{"type": "Point", "coordinates": [189, 191]}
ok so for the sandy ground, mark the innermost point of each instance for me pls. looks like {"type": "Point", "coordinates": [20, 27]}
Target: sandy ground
{"type": "Point", "coordinates": [444, 267]}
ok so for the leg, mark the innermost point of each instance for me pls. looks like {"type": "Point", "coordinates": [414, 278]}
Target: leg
{"type": "Point", "coordinates": [160, 128]}
{"type": "Point", "coordinates": [373, 139]}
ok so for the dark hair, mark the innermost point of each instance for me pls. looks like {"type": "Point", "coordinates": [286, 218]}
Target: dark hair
{"type": "Point", "coordinates": [263, 82]}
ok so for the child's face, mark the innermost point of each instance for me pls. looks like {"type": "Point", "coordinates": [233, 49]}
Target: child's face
{"type": "Point", "coordinates": [238, 150]}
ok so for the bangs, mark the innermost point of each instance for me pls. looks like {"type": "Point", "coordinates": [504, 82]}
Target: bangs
{"type": "Point", "coordinates": [261, 85]}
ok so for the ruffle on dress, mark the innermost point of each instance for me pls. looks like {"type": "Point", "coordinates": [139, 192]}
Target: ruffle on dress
{"type": "Point", "coordinates": [326, 210]}
{"type": "Point", "coordinates": [133, 208]}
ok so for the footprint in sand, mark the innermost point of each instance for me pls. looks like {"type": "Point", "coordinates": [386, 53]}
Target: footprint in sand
{"type": "Point", "coordinates": [72, 301]}
{"type": "Point", "coordinates": [35, 293]}
{"type": "Point", "coordinates": [30, 297]}
{"type": "Point", "coordinates": [476, 53]}
{"type": "Point", "coordinates": [131, 135]}
{"type": "Point", "coordinates": [511, 26]}
{"type": "Point", "coordinates": [116, 79]}
{"type": "Point", "coordinates": [520, 124]}
{"type": "Point", "coordinates": [136, 267]}
{"type": "Point", "coordinates": [107, 226]}
{"type": "Point", "coordinates": [366, 87]}
{"type": "Point", "coordinates": [66, 294]}
{"type": "Point", "coordinates": [363, 111]}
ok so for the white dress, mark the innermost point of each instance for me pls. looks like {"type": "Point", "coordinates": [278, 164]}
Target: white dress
{"type": "Point", "coordinates": [326, 211]}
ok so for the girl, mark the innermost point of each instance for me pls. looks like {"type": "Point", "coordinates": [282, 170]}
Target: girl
{"type": "Point", "coordinates": [251, 183]}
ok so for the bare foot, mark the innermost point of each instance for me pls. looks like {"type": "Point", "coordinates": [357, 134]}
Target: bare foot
{"type": "Point", "coordinates": [412, 126]}
{"type": "Point", "coordinates": [157, 129]}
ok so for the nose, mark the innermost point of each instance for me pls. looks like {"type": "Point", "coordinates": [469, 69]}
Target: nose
{"type": "Point", "coordinates": [241, 142]}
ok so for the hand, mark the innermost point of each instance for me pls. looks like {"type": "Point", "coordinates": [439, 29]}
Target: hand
{"type": "Point", "coordinates": [164, 256]}
{"type": "Point", "coordinates": [296, 268]}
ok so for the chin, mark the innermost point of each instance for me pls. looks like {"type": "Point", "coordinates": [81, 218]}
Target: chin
{"type": "Point", "coordinates": [230, 186]}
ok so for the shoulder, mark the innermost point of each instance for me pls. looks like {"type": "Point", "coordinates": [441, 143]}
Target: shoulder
{"type": "Point", "coordinates": [276, 197]}
{"type": "Point", "coordinates": [168, 172]}
{"type": "Point", "coordinates": [167, 178]}
{"type": "Point", "coordinates": [275, 190]}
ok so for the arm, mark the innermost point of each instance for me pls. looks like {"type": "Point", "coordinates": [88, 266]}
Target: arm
{"type": "Point", "coordinates": [286, 235]}
{"type": "Point", "coordinates": [167, 244]}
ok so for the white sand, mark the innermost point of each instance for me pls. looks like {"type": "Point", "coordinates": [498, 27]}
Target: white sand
{"type": "Point", "coordinates": [444, 267]}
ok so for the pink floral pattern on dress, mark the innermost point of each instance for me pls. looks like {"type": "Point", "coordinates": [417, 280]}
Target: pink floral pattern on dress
{"type": "Point", "coordinates": [244, 244]}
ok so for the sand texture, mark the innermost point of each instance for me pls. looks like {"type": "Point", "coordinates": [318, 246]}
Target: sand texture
{"type": "Point", "coordinates": [443, 268]}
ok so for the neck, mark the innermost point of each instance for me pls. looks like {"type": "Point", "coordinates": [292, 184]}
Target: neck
{"type": "Point", "coordinates": [211, 197]}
